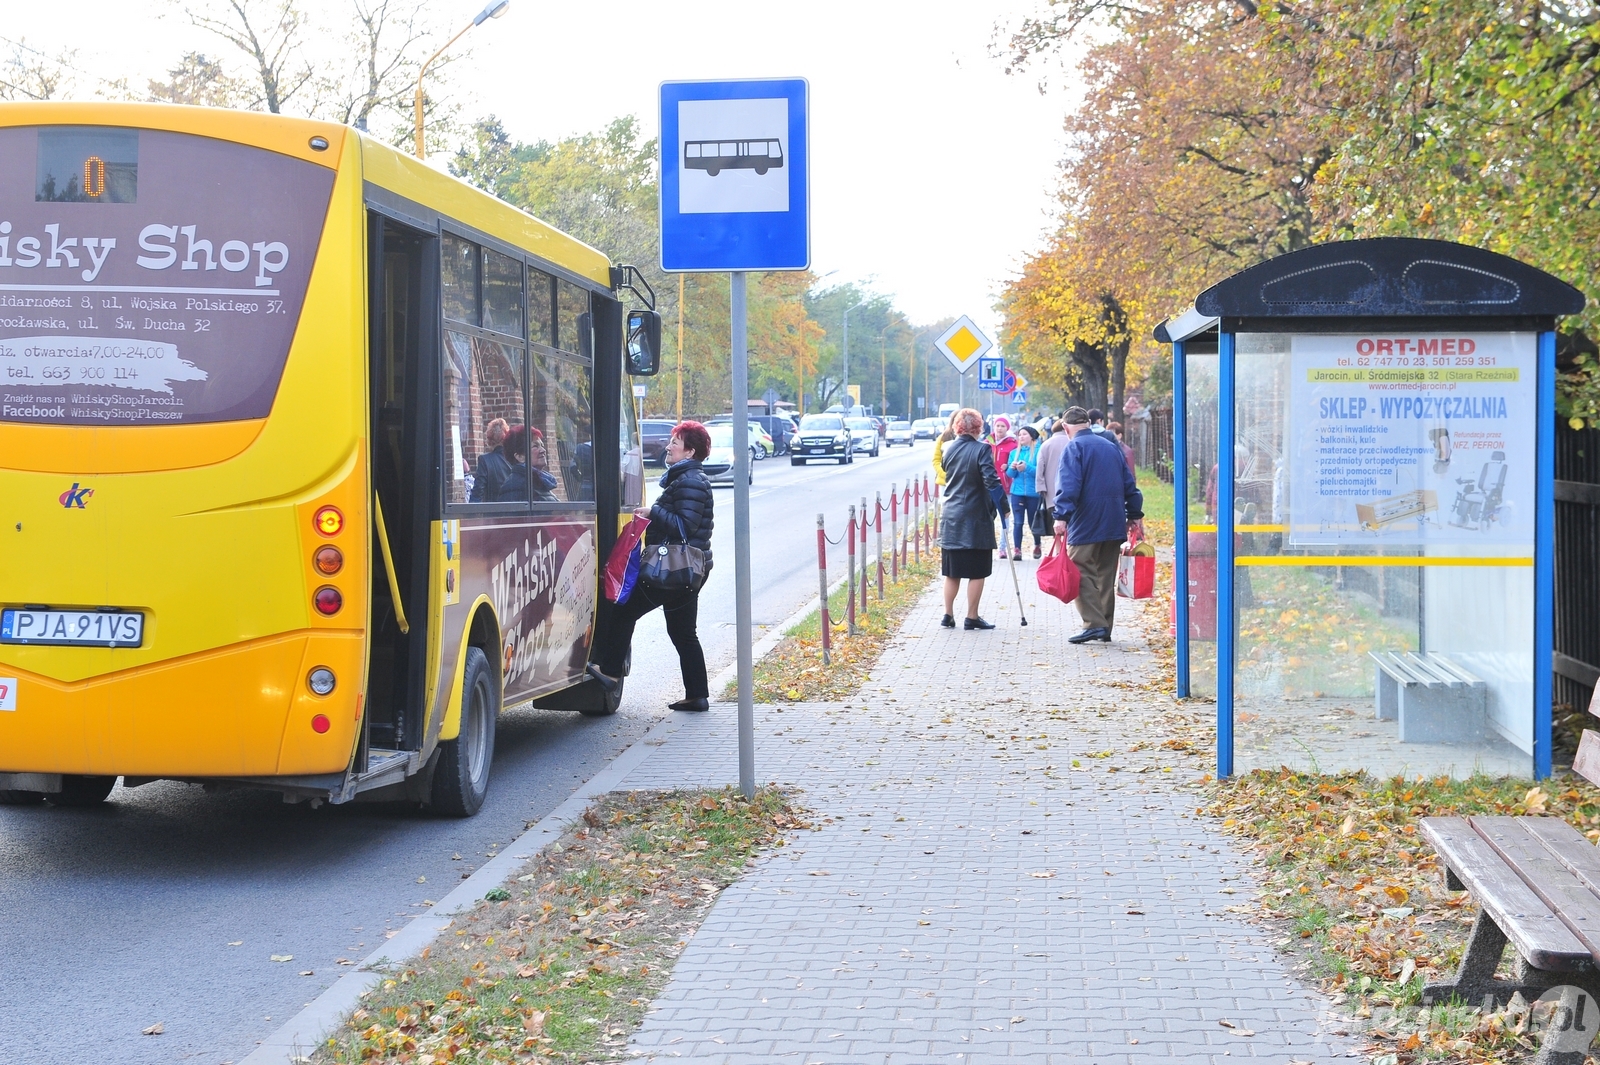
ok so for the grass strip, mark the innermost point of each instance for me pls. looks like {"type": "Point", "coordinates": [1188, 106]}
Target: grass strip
{"type": "Point", "coordinates": [794, 672]}
{"type": "Point", "coordinates": [561, 966]}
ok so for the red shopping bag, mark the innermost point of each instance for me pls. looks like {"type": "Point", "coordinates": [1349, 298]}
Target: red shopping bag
{"type": "Point", "coordinates": [1057, 574]}
{"type": "Point", "coordinates": [622, 567]}
{"type": "Point", "coordinates": [1136, 571]}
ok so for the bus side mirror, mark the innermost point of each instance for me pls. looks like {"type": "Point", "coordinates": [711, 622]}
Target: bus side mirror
{"type": "Point", "coordinates": [644, 343]}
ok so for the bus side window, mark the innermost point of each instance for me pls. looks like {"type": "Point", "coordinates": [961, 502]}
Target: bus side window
{"type": "Point", "coordinates": [541, 308]}
{"type": "Point", "coordinates": [489, 452]}
{"type": "Point", "coordinates": [572, 319]}
{"type": "Point", "coordinates": [563, 410]}
{"type": "Point", "coordinates": [459, 275]}
{"type": "Point", "coordinates": [502, 293]}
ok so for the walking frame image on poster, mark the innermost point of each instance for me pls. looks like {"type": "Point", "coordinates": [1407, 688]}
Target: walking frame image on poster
{"type": "Point", "coordinates": [1411, 440]}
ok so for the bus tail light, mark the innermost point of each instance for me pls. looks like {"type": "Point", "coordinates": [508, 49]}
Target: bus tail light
{"type": "Point", "coordinates": [328, 520]}
{"type": "Point", "coordinates": [328, 560]}
{"type": "Point", "coordinates": [328, 600]}
{"type": "Point", "coordinates": [321, 681]}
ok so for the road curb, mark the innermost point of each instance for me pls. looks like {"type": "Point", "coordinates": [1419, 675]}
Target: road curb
{"type": "Point", "coordinates": [305, 1031]}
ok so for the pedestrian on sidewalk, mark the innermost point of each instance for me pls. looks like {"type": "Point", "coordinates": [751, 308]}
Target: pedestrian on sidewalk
{"type": "Point", "coordinates": [944, 438]}
{"type": "Point", "coordinates": [682, 513]}
{"type": "Point", "coordinates": [1127, 452]}
{"type": "Point", "coordinates": [1050, 462]}
{"type": "Point", "coordinates": [966, 526]}
{"type": "Point", "coordinates": [1097, 507]}
{"type": "Point", "coordinates": [1004, 443]}
{"type": "Point", "coordinates": [1023, 465]}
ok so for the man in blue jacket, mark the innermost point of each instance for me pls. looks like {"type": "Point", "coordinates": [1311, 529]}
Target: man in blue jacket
{"type": "Point", "coordinates": [1097, 507]}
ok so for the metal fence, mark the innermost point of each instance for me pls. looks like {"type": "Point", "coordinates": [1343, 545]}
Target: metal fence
{"type": "Point", "coordinates": [1151, 440]}
{"type": "Point", "coordinates": [1577, 622]}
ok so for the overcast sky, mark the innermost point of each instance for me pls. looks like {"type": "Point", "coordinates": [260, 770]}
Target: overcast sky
{"type": "Point", "coordinates": [932, 171]}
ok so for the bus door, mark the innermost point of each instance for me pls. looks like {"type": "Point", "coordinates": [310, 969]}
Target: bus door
{"type": "Point", "coordinates": [404, 320]}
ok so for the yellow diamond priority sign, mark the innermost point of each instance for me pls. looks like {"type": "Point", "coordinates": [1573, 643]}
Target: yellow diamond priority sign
{"type": "Point", "coordinates": [963, 344]}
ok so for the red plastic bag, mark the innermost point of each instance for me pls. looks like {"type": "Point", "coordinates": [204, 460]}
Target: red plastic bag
{"type": "Point", "coordinates": [1136, 570]}
{"type": "Point", "coordinates": [622, 567]}
{"type": "Point", "coordinates": [1136, 576]}
{"type": "Point", "coordinates": [1057, 574]}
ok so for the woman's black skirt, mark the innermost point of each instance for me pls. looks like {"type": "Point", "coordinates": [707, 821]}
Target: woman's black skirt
{"type": "Point", "coordinates": [967, 564]}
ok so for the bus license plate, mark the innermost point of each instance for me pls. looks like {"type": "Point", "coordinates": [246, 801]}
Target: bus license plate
{"type": "Point", "coordinates": [76, 628]}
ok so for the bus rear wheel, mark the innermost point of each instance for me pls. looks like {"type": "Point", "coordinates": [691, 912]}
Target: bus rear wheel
{"type": "Point", "coordinates": [461, 777]}
{"type": "Point", "coordinates": [81, 791]}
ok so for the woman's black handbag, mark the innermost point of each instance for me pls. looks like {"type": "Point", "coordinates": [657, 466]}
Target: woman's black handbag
{"type": "Point", "coordinates": [1042, 525]}
{"type": "Point", "coordinates": [672, 567]}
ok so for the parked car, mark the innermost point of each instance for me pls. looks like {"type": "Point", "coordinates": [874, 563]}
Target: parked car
{"type": "Point", "coordinates": [925, 428]}
{"type": "Point", "coordinates": [761, 445]}
{"type": "Point", "coordinates": [900, 433]}
{"type": "Point", "coordinates": [779, 427]}
{"type": "Point", "coordinates": [718, 465]}
{"type": "Point", "coordinates": [822, 436]}
{"type": "Point", "coordinates": [655, 432]}
{"type": "Point", "coordinates": [864, 431]}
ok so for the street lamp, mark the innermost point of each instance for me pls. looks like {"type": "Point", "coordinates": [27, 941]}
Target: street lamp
{"type": "Point", "coordinates": [847, 311]}
{"type": "Point", "coordinates": [494, 9]}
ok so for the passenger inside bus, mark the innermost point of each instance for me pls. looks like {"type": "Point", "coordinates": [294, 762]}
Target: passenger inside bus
{"type": "Point", "coordinates": [489, 477]}
{"type": "Point", "coordinates": [525, 450]}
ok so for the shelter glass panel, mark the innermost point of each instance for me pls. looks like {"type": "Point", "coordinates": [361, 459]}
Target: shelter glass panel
{"type": "Point", "coordinates": [1200, 440]}
{"type": "Point", "coordinates": [1383, 581]}
{"type": "Point", "coordinates": [484, 421]}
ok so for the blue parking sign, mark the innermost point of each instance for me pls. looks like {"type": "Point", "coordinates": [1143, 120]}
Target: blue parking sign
{"type": "Point", "coordinates": [735, 188]}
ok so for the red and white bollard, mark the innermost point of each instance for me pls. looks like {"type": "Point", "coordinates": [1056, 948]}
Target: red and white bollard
{"type": "Point", "coordinates": [894, 535]}
{"type": "Point", "coordinates": [850, 539]}
{"type": "Point", "coordinates": [822, 586]}
{"type": "Point", "coordinates": [877, 512]}
{"type": "Point", "coordinates": [927, 526]}
{"type": "Point", "coordinates": [915, 504]}
{"type": "Point", "coordinates": [864, 581]}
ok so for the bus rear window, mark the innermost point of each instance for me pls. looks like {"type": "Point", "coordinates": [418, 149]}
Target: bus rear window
{"type": "Point", "coordinates": [149, 277]}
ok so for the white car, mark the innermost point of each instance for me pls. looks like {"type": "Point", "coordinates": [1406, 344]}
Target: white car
{"type": "Point", "coordinates": [900, 433]}
{"type": "Point", "coordinates": [925, 428]}
{"type": "Point", "coordinates": [718, 465]}
{"type": "Point", "coordinates": [864, 435]}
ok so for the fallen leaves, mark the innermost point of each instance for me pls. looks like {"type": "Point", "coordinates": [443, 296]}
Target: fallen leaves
{"type": "Point", "coordinates": [157, 1028]}
{"type": "Point", "coordinates": [1047, 874]}
{"type": "Point", "coordinates": [282, 957]}
{"type": "Point", "coordinates": [563, 971]}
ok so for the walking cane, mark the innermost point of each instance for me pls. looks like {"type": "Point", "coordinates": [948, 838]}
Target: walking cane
{"type": "Point", "coordinates": [1018, 587]}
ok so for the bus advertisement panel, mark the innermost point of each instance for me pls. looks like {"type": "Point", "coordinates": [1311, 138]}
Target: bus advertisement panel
{"type": "Point", "coordinates": [148, 276]}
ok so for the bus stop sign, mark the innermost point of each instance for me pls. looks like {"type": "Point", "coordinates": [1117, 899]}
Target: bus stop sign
{"type": "Point", "coordinates": [735, 189]}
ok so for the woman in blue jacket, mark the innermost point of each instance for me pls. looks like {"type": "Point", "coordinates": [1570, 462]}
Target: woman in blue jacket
{"type": "Point", "coordinates": [1023, 465]}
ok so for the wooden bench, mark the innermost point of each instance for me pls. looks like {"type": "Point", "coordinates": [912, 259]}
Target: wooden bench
{"type": "Point", "coordinates": [1434, 699]}
{"type": "Point", "coordinates": [1537, 884]}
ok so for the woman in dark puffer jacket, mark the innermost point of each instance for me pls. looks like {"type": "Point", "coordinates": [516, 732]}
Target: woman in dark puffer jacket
{"type": "Point", "coordinates": [680, 514]}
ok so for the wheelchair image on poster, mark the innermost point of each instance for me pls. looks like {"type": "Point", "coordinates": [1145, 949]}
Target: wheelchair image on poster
{"type": "Point", "coordinates": [1479, 500]}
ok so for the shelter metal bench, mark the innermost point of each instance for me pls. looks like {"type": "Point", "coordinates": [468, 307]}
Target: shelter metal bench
{"type": "Point", "coordinates": [1537, 883]}
{"type": "Point", "coordinates": [1434, 699]}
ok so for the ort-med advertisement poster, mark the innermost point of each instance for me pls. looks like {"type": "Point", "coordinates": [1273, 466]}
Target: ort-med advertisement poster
{"type": "Point", "coordinates": [1412, 440]}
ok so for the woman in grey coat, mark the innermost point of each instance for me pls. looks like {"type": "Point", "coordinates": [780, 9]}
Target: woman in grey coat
{"type": "Point", "coordinates": [966, 529]}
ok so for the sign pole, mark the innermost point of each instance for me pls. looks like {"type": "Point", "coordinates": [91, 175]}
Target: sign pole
{"type": "Point", "coordinates": [741, 540]}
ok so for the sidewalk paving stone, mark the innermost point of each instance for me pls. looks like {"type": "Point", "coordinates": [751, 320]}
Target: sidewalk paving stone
{"type": "Point", "coordinates": [967, 894]}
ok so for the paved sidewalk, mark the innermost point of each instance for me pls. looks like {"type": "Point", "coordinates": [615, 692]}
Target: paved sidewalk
{"type": "Point", "coordinates": [968, 895]}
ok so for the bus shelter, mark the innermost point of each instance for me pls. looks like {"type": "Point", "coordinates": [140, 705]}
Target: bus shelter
{"type": "Point", "coordinates": [1364, 434]}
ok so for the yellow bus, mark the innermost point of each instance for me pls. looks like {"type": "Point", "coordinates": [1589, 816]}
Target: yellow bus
{"type": "Point", "coordinates": [309, 455]}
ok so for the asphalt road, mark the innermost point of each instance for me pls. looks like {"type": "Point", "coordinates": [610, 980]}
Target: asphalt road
{"type": "Point", "coordinates": [167, 903]}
